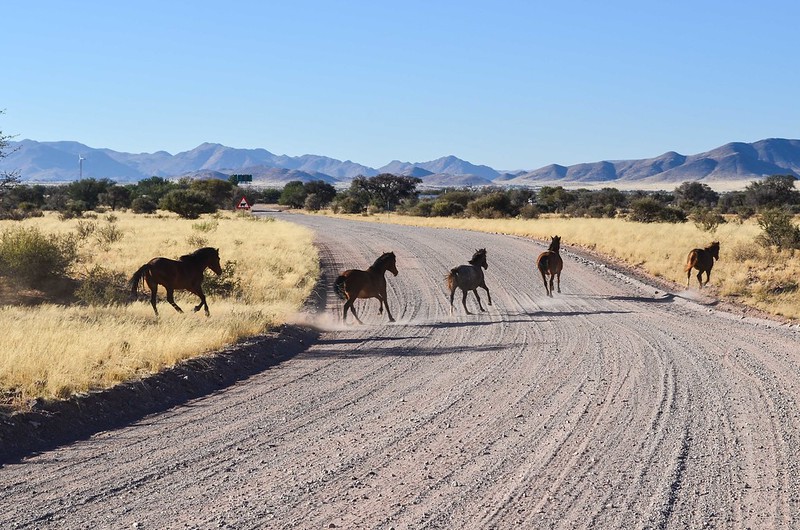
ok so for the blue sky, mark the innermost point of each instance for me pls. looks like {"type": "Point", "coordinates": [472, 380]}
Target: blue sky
{"type": "Point", "coordinates": [513, 85]}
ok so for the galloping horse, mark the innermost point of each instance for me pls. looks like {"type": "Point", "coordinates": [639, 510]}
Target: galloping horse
{"type": "Point", "coordinates": [550, 262]}
{"type": "Point", "coordinates": [702, 259]}
{"type": "Point", "coordinates": [469, 278]}
{"type": "Point", "coordinates": [186, 274]}
{"type": "Point", "coordinates": [371, 283]}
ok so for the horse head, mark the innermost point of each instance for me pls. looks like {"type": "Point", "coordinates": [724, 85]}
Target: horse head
{"type": "Point", "coordinates": [479, 258]}
{"type": "Point", "coordinates": [714, 249]}
{"type": "Point", "coordinates": [555, 243]}
{"type": "Point", "coordinates": [391, 263]}
{"type": "Point", "coordinates": [213, 261]}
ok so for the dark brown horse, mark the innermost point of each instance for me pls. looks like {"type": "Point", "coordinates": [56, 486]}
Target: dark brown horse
{"type": "Point", "coordinates": [186, 273]}
{"type": "Point", "coordinates": [550, 262]}
{"type": "Point", "coordinates": [469, 278]}
{"type": "Point", "coordinates": [702, 259]}
{"type": "Point", "coordinates": [371, 283]}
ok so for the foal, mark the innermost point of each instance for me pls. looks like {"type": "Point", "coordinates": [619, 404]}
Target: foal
{"type": "Point", "coordinates": [550, 262]}
{"type": "Point", "coordinates": [371, 283]}
{"type": "Point", "coordinates": [702, 259]}
{"type": "Point", "coordinates": [469, 278]}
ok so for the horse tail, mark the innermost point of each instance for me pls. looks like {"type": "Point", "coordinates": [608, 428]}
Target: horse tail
{"type": "Point", "coordinates": [137, 278]}
{"type": "Point", "coordinates": [338, 287]}
{"type": "Point", "coordinates": [451, 279]}
{"type": "Point", "coordinates": [691, 261]}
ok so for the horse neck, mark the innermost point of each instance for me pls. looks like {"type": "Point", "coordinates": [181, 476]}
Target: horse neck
{"type": "Point", "coordinates": [379, 269]}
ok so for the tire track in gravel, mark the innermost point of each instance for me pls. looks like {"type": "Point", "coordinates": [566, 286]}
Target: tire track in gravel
{"type": "Point", "coordinates": [611, 405]}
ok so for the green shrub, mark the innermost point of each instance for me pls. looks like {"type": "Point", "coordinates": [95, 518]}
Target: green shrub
{"type": "Point", "coordinates": [188, 204]}
{"type": "Point", "coordinates": [778, 229]}
{"type": "Point", "coordinates": [101, 286]}
{"type": "Point", "coordinates": [226, 284]}
{"type": "Point", "coordinates": [706, 219]}
{"type": "Point", "coordinates": [144, 205]}
{"type": "Point", "coordinates": [31, 256]}
{"type": "Point", "coordinates": [442, 208]}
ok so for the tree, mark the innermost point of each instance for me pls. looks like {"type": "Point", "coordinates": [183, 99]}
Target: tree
{"type": "Point", "coordinates": [7, 179]}
{"type": "Point", "coordinates": [776, 191]}
{"type": "Point", "coordinates": [692, 194]}
{"type": "Point", "coordinates": [324, 192]}
{"type": "Point", "coordinates": [154, 188]}
{"type": "Point", "coordinates": [219, 191]}
{"type": "Point", "coordinates": [189, 204]}
{"type": "Point", "coordinates": [87, 191]}
{"type": "Point", "coordinates": [116, 196]}
{"type": "Point", "coordinates": [386, 190]}
{"type": "Point", "coordinates": [293, 194]}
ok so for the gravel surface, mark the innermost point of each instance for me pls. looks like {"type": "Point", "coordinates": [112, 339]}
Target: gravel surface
{"type": "Point", "coordinates": [612, 405]}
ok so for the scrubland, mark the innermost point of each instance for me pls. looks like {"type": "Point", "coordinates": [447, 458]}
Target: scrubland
{"type": "Point", "coordinates": [765, 278]}
{"type": "Point", "coordinates": [56, 347]}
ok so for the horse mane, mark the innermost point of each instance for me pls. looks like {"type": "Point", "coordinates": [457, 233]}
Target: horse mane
{"type": "Point", "coordinates": [382, 259]}
{"type": "Point", "coordinates": [199, 255]}
{"type": "Point", "coordinates": [477, 256]}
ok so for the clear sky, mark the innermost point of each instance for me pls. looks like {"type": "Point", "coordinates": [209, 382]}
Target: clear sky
{"type": "Point", "coordinates": [509, 84]}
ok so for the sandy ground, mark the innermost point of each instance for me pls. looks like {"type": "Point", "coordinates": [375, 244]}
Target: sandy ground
{"type": "Point", "coordinates": [611, 405]}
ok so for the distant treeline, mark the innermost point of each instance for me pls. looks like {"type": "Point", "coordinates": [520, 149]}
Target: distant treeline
{"type": "Point", "coordinates": [189, 198]}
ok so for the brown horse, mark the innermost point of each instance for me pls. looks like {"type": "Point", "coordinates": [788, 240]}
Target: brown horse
{"type": "Point", "coordinates": [371, 283]}
{"type": "Point", "coordinates": [469, 278]}
{"type": "Point", "coordinates": [701, 259]}
{"type": "Point", "coordinates": [186, 273]}
{"type": "Point", "coordinates": [550, 262]}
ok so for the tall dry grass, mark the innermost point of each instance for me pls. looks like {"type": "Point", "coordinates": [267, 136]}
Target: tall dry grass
{"type": "Point", "coordinates": [54, 351]}
{"type": "Point", "coordinates": [767, 279]}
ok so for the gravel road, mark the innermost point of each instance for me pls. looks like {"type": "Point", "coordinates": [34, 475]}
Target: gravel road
{"type": "Point", "coordinates": [611, 405]}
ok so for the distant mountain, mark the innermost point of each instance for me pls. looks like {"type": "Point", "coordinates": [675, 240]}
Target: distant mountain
{"type": "Point", "coordinates": [731, 162]}
{"type": "Point", "coordinates": [50, 162]}
{"type": "Point", "coordinates": [449, 165]}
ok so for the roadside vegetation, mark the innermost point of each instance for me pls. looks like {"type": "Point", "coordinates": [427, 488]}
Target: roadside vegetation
{"type": "Point", "coordinates": [70, 324]}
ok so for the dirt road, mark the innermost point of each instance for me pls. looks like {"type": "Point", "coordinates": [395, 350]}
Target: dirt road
{"type": "Point", "coordinates": [612, 405]}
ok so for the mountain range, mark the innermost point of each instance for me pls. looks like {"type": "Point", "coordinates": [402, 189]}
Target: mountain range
{"type": "Point", "coordinates": [57, 162]}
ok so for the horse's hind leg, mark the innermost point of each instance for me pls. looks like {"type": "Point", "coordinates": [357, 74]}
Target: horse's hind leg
{"type": "Point", "coordinates": [452, 295]}
{"type": "Point", "coordinates": [558, 277]}
{"type": "Point", "coordinates": [464, 301]}
{"type": "Point", "coordinates": [349, 305]}
{"type": "Point", "coordinates": [153, 294]}
{"type": "Point", "coordinates": [479, 299]}
{"type": "Point", "coordinates": [171, 300]}
{"type": "Point", "coordinates": [544, 279]}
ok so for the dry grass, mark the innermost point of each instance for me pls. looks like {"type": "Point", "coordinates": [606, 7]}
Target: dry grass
{"type": "Point", "coordinates": [53, 351]}
{"type": "Point", "coordinates": [747, 273]}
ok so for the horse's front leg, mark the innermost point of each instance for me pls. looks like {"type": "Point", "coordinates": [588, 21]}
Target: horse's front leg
{"type": "Point", "coordinates": [483, 285]}
{"type": "Point", "coordinates": [386, 303]}
{"type": "Point", "coordinates": [700, 278]}
{"type": "Point", "coordinates": [171, 300]}
{"type": "Point", "coordinates": [708, 276]}
{"type": "Point", "coordinates": [202, 303]}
